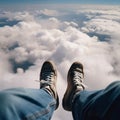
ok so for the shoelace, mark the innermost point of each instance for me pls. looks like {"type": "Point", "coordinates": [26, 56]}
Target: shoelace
{"type": "Point", "coordinates": [47, 78]}
{"type": "Point", "coordinates": [78, 78]}
{"type": "Point", "coordinates": [78, 81]}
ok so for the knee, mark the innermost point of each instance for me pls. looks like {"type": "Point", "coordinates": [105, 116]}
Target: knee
{"type": "Point", "coordinates": [6, 100]}
{"type": "Point", "coordinates": [114, 87]}
{"type": "Point", "coordinates": [115, 84]}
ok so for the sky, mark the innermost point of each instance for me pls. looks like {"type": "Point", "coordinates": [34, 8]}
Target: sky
{"type": "Point", "coordinates": [60, 1]}
{"type": "Point", "coordinates": [86, 33]}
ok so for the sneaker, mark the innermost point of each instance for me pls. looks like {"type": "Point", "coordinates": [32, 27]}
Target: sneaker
{"type": "Point", "coordinates": [75, 85]}
{"type": "Point", "coordinates": [48, 79]}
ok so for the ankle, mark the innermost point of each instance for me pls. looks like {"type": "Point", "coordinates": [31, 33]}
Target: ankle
{"type": "Point", "coordinates": [49, 90]}
{"type": "Point", "coordinates": [77, 92]}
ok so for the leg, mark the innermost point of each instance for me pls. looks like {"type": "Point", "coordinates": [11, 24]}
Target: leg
{"type": "Point", "coordinates": [90, 105]}
{"type": "Point", "coordinates": [26, 104]}
{"type": "Point", "coordinates": [32, 104]}
{"type": "Point", "coordinates": [99, 105]}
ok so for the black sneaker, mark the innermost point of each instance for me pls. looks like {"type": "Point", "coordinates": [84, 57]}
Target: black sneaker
{"type": "Point", "coordinates": [75, 85]}
{"type": "Point", "coordinates": [48, 79]}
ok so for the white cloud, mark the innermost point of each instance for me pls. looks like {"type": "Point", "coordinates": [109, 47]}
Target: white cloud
{"type": "Point", "coordinates": [49, 12]}
{"type": "Point", "coordinates": [36, 39]}
{"type": "Point", "coordinates": [103, 26]}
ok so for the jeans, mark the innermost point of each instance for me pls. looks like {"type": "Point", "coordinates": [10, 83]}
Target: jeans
{"type": "Point", "coordinates": [26, 104]}
{"type": "Point", "coordinates": [98, 105]}
{"type": "Point", "coordinates": [33, 104]}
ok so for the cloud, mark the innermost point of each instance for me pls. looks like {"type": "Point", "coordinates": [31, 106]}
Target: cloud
{"type": "Point", "coordinates": [49, 12]}
{"type": "Point", "coordinates": [86, 34]}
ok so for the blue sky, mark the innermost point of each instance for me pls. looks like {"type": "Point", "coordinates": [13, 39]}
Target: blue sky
{"type": "Point", "coordinates": [60, 1]}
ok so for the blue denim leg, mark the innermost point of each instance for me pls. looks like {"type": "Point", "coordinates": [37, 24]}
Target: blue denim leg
{"type": "Point", "coordinates": [98, 105]}
{"type": "Point", "coordinates": [26, 104]}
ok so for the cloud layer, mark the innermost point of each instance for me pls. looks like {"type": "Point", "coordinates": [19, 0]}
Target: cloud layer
{"type": "Point", "coordinates": [88, 34]}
